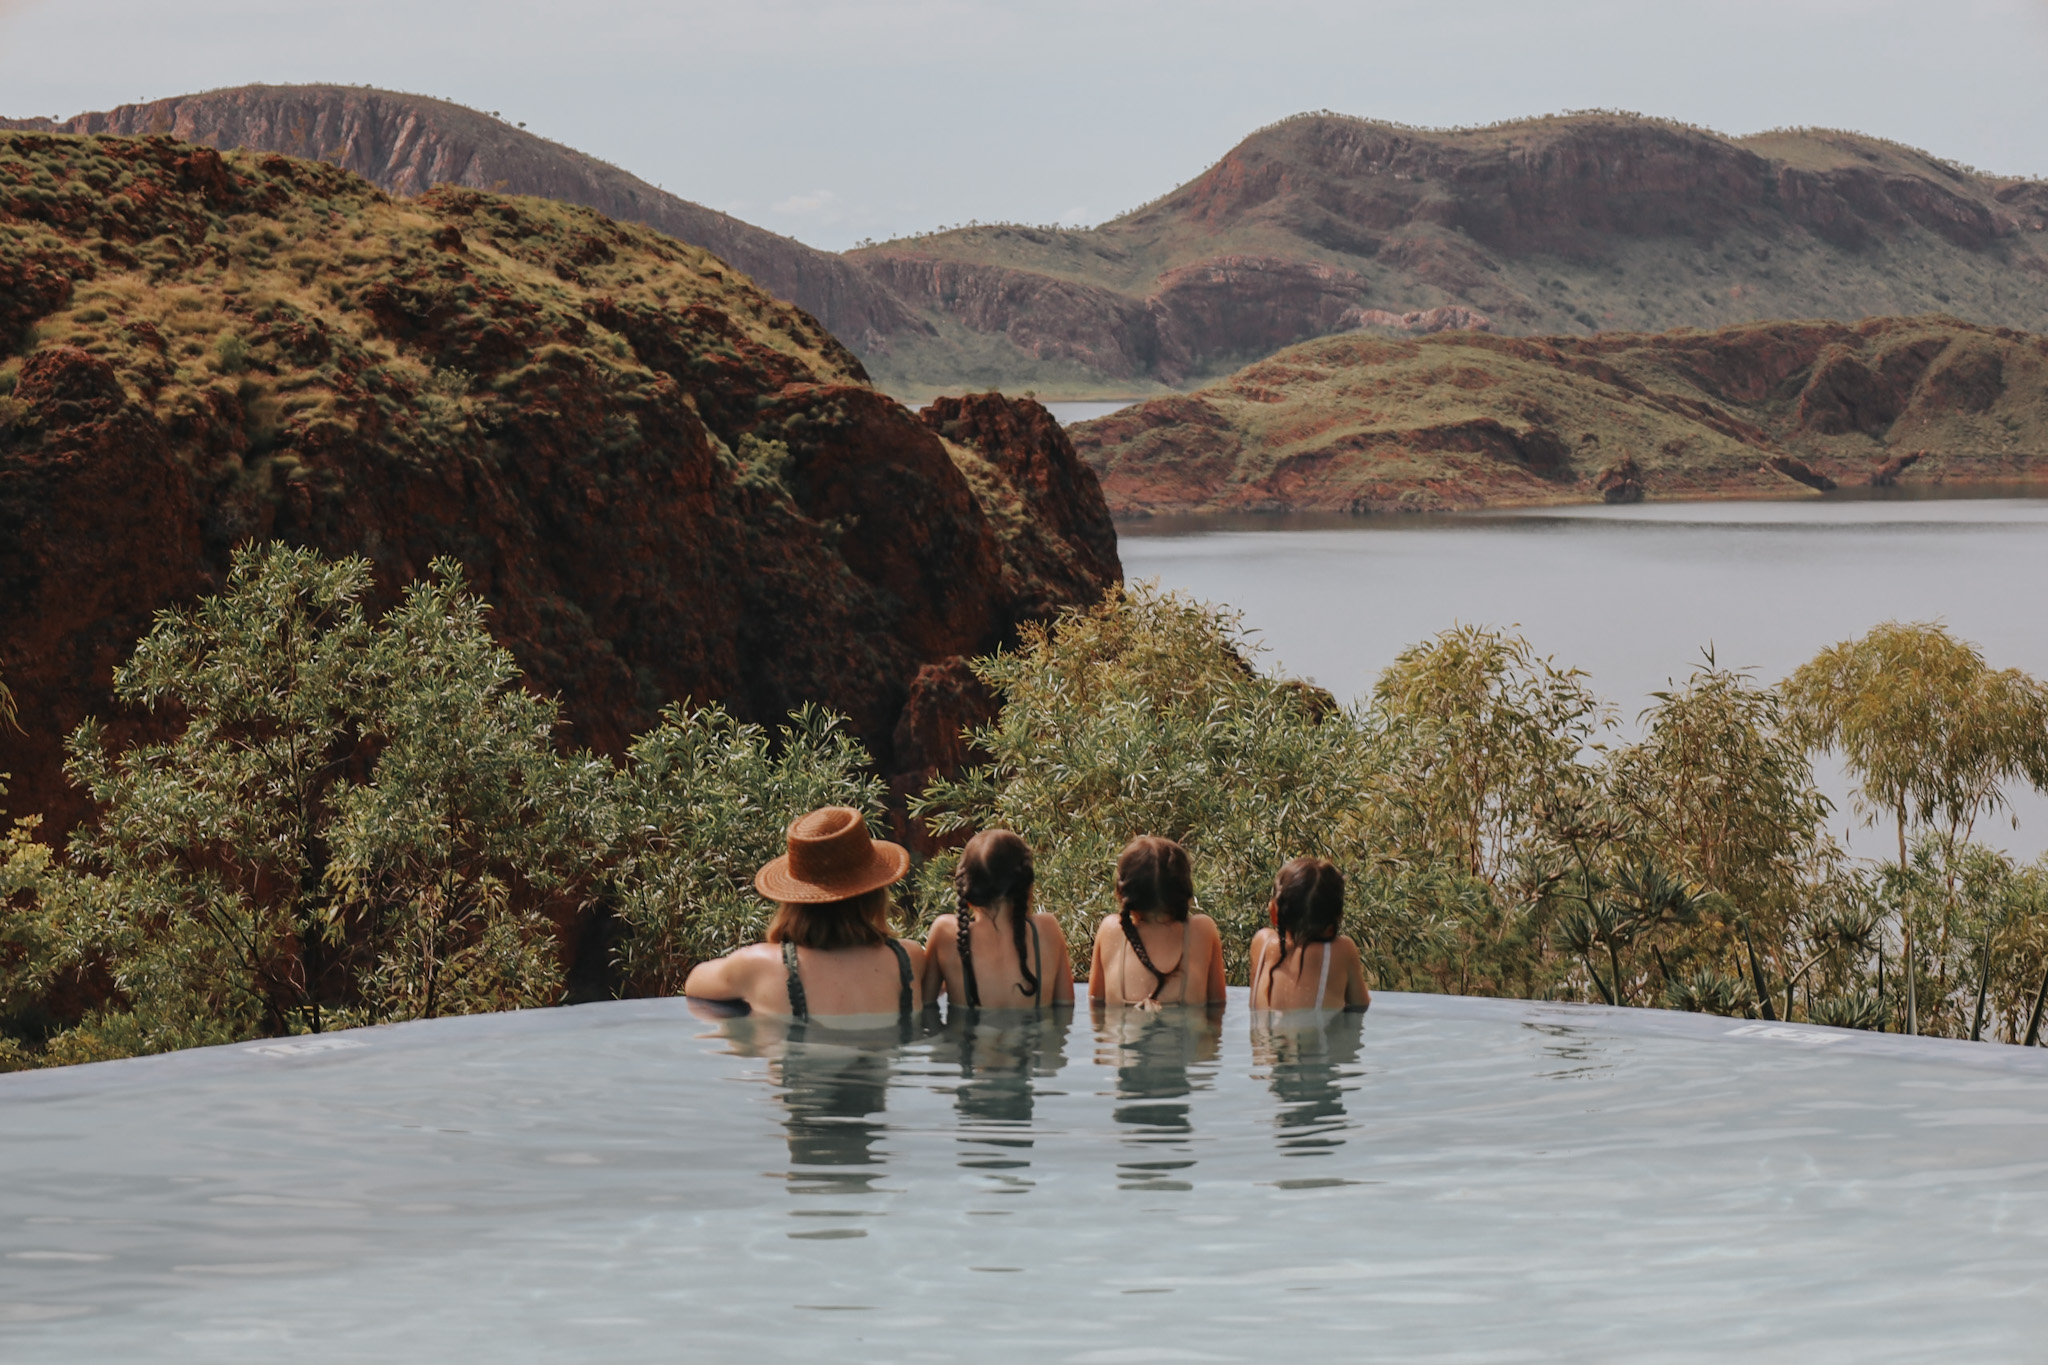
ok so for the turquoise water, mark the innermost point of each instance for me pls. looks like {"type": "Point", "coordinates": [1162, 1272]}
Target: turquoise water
{"type": "Point", "coordinates": [1445, 1179]}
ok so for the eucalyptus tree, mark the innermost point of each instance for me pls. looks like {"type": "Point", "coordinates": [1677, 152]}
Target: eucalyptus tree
{"type": "Point", "coordinates": [1719, 794]}
{"type": "Point", "coordinates": [1497, 736]}
{"type": "Point", "coordinates": [1930, 733]}
{"type": "Point", "coordinates": [348, 821]}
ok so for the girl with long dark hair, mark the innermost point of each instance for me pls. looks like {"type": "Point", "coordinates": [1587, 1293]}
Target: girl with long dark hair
{"type": "Point", "coordinates": [996, 952]}
{"type": "Point", "coordinates": [1307, 914]}
{"type": "Point", "coordinates": [1156, 949]}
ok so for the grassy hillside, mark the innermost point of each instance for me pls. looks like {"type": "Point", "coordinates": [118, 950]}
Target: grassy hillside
{"type": "Point", "coordinates": [1458, 420]}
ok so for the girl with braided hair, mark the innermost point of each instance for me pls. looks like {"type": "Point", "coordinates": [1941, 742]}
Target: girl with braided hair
{"type": "Point", "coordinates": [996, 952]}
{"type": "Point", "coordinates": [1156, 950]}
{"type": "Point", "coordinates": [1307, 913]}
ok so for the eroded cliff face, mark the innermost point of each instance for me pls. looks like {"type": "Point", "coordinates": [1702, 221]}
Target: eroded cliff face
{"type": "Point", "coordinates": [408, 144]}
{"type": "Point", "coordinates": [668, 484]}
{"type": "Point", "coordinates": [1464, 420]}
{"type": "Point", "coordinates": [1323, 224]}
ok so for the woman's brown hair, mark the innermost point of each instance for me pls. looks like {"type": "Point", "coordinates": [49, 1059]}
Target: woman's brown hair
{"type": "Point", "coordinates": [1152, 875]}
{"type": "Point", "coordinates": [857, 922]}
{"type": "Point", "coordinates": [996, 871]}
{"type": "Point", "coordinates": [1308, 899]}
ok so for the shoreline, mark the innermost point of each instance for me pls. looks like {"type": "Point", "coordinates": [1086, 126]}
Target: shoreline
{"type": "Point", "coordinates": [1953, 489]}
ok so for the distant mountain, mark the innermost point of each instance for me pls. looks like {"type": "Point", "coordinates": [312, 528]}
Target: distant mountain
{"type": "Point", "coordinates": [1464, 419]}
{"type": "Point", "coordinates": [1319, 224]}
{"type": "Point", "coordinates": [1572, 224]}
{"type": "Point", "coordinates": [407, 144]}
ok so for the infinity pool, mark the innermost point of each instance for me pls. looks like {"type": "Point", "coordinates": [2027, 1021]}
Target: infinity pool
{"type": "Point", "coordinates": [1445, 1180]}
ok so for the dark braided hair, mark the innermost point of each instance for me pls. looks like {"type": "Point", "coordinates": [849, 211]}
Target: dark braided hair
{"type": "Point", "coordinates": [1309, 898]}
{"type": "Point", "coordinates": [1152, 874]}
{"type": "Point", "coordinates": [995, 871]}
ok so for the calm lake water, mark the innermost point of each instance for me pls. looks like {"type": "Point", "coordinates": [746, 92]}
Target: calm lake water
{"type": "Point", "coordinates": [1631, 595]}
{"type": "Point", "coordinates": [1443, 1179]}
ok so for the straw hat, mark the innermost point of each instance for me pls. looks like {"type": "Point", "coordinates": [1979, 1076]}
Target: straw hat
{"type": "Point", "coordinates": [830, 858]}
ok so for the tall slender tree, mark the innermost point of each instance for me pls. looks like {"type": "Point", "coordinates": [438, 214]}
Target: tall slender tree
{"type": "Point", "coordinates": [1930, 732]}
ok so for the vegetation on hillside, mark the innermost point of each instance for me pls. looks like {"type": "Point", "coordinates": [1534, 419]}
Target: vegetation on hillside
{"type": "Point", "coordinates": [1499, 837]}
{"type": "Point", "coordinates": [355, 817]}
{"type": "Point", "coordinates": [357, 820]}
{"type": "Point", "coordinates": [1460, 419]}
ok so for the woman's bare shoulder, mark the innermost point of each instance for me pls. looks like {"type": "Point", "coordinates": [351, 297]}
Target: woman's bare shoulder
{"type": "Point", "coordinates": [944, 927]}
{"type": "Point", "coordinates": [1049, 924]}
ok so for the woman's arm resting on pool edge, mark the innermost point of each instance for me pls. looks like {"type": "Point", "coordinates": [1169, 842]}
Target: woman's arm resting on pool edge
{"type": "Point", "coordinates": [1215, 991]}
{"type": "Point", "coordinates": [732, 977]}
{"type": "Point", "coordinates": [1356, 996]}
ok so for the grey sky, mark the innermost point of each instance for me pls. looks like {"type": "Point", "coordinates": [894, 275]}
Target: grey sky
{"type": "Point", "coordinates": [833, 121]}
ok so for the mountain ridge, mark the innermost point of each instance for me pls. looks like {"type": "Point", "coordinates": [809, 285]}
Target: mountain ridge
{"type": "Point", "coordinates": [407, 144]}
{"type": "Point", "coordinates": [1316, 225]}
{"type": "Point", "coordinates": [1568, 223]}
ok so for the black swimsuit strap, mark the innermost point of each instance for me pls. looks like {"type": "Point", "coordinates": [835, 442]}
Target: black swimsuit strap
{"type": "Point", "coordinates": [904, 1001]}
{"type": "Point", "coordinates": [798, 1006]}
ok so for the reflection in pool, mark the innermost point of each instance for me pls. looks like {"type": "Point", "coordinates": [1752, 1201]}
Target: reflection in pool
{"type": "Point", "coordinates": [1443, 1178]}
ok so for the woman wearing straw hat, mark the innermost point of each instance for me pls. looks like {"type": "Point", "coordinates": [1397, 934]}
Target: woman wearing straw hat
{"type": "Point", "coordinates": [830, 949]}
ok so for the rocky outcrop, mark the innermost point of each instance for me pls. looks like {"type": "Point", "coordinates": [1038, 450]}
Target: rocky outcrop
{"type": "Point", "coordinates": [408, 144]}
{"type": "Point", "coordinates": [1423, 322]}
{"type": "Point", "coordinates": [1463, 419]}
{"type": "Point", "coordinates": [1621, 482]}
{"type": "Point", "coordinates": [1061, 542]}
{"type": "Point", "coordinates": [668, 484]}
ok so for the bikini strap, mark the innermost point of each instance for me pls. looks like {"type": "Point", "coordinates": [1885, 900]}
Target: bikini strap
{"type": "Point", "coordinates": [903, 996]}
{"type": "Point", "coordinates": [798, 1006]}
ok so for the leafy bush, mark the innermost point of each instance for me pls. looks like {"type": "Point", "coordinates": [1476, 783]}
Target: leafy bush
{"type": "Point", "coordinates": [702, 803]}
{"type": "Point", "coordinates": [351, 822]}
{"type": "Point", "coordinates": [1143, 716]}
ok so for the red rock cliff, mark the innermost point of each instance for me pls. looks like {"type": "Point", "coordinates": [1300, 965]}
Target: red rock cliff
{"type": "Point", "coordinates": [669, 484]}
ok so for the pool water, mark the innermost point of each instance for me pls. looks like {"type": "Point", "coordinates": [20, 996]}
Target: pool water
{"type": "Point", "coordinates": [1444, 1179]}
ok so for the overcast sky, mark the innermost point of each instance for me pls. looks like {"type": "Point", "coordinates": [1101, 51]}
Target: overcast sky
{"type": "Point", "coordinates": [833, 120]}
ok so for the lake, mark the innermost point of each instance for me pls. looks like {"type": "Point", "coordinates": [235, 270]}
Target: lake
{"type": "Point", "coordinates": [1631, 595]}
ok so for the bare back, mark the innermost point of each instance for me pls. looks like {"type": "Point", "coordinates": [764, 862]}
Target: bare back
{"type": "Point", "coordinates": [998, 975]}
{"type": "Point", "coordinates": [1326, 975]}
{"type": "Point", "coordinates": [836, 981]}
{"type": "Point", "coordinates": [1189, 952]}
